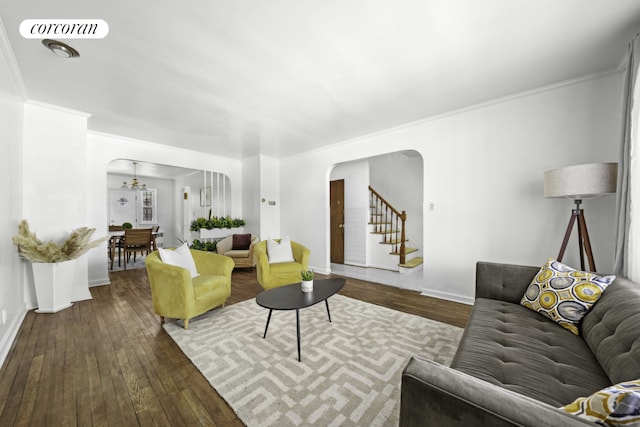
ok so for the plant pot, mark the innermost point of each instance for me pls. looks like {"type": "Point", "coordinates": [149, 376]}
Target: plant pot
{"type": "Point", "coordinates": [54, 285]}
{"type": "Point", "coordinates": [217, 233]}
{"type": "Point", "coordinates": [307, 286]}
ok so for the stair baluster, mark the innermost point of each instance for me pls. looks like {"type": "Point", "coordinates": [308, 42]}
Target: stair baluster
{"type": "Point", "coordinates": [384, 217]}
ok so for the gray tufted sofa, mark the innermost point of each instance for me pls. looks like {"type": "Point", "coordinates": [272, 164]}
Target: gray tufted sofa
{"type": "Point", "coordinates": [516, 367]}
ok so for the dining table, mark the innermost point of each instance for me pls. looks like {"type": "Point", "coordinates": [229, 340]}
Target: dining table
{"type": "Point", "coordinates": [116, 238]}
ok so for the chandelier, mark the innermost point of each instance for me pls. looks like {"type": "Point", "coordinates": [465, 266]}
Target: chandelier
{"type": "Point", "coordinates": [135, 185]}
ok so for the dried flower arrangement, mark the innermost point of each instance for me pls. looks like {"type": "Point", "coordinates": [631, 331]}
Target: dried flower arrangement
{"type": "Point", "coordinates": [35, 250]}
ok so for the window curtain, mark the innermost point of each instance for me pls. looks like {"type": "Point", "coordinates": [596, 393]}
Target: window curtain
{"type": "Point", "coordinates": [622, 260]}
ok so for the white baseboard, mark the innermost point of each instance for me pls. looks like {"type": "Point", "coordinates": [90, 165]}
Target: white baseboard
{"type": "Point", "coordinates": [12, 332]}
{"type": "Point", "coordinates": [99, 282]}
{"type": "Point", "coordinates": [448, 296]}
{"type": "Point", "coordinates": [356, 264]}
{"type": "Point", "coordinates": [320, 270]}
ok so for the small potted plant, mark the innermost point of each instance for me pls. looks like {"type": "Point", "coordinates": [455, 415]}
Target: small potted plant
{"type": "Point", "coordinates": [53, 264]}
{"type": "Point", "coordinates": [307, 280]}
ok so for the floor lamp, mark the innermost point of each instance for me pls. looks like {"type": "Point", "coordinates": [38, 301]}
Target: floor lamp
{"type": "Point", "coordinates": [577, 183]}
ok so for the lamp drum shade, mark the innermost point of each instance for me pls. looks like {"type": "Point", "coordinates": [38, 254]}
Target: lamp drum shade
{"type": "Point", "coordinates": [581, 181]}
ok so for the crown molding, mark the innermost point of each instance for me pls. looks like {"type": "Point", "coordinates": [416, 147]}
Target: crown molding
{"type": "Point", "coordinates": [154, 145]}
{"type": "Point", "coordinates": [57, 108]}
{"type": "Point", "coordinates": [480, 105]}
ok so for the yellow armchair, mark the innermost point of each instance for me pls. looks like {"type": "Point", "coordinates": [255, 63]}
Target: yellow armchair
{"type": "Point", "coordinates": [176, 295]}
{"type": "Point", "coordinates": [283, 273]}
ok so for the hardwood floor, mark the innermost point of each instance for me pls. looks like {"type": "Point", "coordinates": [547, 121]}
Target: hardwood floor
{"type": "Point", "coordinates": [108, 362]}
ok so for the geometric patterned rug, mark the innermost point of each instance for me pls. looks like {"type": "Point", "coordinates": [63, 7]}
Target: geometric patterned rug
{"type": "Point", "coordinates": [350, 371]}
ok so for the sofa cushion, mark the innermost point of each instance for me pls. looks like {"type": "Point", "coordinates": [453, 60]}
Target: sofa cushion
{"type": "Point", "coordinates": [241, 241]}
{"type": "Point", "coordinates": [617, 405]}
{"type": "Point", "coordinates": [564, 294]}
{"type": "Point", "coordinates": [511, 346]}
{"type": "Point", "coordinates": [286, 268]}
{"type": "Point", "coordinates": [611, 330]}
{"type": "Point", "coordinates": [203, 285]}
{"type": "Point", "coordinates": [237, 253]}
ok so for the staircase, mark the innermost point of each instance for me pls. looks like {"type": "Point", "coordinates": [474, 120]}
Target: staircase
{"type": "Point", "coordinates": [390, 224]}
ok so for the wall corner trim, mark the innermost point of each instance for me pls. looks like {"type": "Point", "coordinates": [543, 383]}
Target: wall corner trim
{"type": "Point", "coordinates": [12, 62]}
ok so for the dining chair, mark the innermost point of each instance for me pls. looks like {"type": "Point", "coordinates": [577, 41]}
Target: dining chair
{"type": "Point", "coordinates": [136, 240]}
{"type": "Point", "coordinates": [115, 242]}
{"type": "Point", "coordinates": [154, 236]}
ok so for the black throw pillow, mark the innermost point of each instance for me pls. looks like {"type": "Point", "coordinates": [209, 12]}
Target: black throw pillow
{"type": "Point", "coordinates": [241, 242]}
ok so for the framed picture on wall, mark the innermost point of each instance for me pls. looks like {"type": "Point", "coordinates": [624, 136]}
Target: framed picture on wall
{"type": "Point", "coordinates": [205, 196]}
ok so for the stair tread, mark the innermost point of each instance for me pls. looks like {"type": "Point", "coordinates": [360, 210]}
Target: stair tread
{"type": "Point", "coordinates": [406, 251]}
{"type": "Point", "coordinates": [385, 232]}
{"type": "Point", "coordinates": [412, 263]}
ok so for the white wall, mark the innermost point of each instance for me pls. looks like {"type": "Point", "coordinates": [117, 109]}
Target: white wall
{"type": "Point", "coordinates": [54, 184]}
{"type": "Point", "coordinates": [632, 260]}
{"type": "Point", "coordinates": [270, 193]}
{"type": "Point", "coordinates": [261, 197]}
{"type": "Point", "coordinates": [195, 183]}
{"type": "Point", "coordinates": [483, 169]}
{"type": "Point", "coordinates": [103, 148]}
{"type": "Point", "coordinates": [251, 203]}
{"type": "Point", "coordinates": [12, 301]}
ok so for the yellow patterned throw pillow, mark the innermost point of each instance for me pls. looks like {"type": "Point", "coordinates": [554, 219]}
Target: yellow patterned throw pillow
{"type": "Point", "coordinates": [563, 294]}
{"type": "Point", "coordinates": [618, 405]}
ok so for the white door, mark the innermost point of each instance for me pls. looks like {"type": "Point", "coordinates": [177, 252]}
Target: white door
{"type": "Point", "coordinates": [122, 207]}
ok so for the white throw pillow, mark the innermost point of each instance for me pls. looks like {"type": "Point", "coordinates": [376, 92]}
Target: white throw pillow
{"type": "Point", "coordinates": [279, 251]}
{"type": "Point", "coordinates": [180, 257]}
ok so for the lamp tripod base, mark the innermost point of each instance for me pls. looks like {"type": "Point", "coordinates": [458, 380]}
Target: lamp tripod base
{"type": "Point", "coordinates": [584, 244]}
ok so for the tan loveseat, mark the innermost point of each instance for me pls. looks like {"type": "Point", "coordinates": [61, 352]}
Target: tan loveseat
{"type": "Point", "coordinates": [241, 257]}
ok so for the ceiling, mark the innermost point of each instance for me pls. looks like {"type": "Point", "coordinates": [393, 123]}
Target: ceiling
{"type": "Point", "coordinates": [246, 77]}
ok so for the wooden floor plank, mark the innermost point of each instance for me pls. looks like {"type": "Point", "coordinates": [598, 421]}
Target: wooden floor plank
{"type": "Point", "coordinates": [107, 361]}
{"type": "Point", "coordinates": [45, 384]}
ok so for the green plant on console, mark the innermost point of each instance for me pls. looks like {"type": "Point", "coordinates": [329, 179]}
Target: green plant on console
{"type": "Point", "coordinates": [307, 275]}
{"type": "Point", "coordinates": [204, 246]}
{"type": "Point", "coordinates": [127, 225]}
{"type": "Point", "coordinates": [199, 223]}
{"type": "Point", "coordinates": [216, 222]}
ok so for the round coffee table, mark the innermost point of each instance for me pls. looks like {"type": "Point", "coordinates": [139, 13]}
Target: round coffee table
{"type": "Point", "coordinates": [291, 297]}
